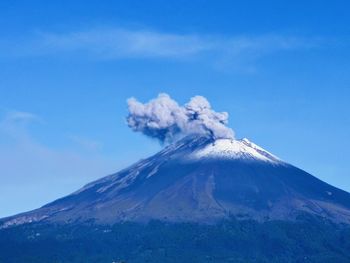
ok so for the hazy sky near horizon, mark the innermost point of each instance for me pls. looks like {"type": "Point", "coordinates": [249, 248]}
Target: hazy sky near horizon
{"type": "Point", "coordinates": [280, 69]}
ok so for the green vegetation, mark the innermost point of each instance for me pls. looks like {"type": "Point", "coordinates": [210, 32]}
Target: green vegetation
{"type": "Point", "coordinates": [307, 240]}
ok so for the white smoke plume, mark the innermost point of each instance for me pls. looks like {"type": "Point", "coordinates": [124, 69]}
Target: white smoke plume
{"type": "Point", "coordinates": [164, 119]}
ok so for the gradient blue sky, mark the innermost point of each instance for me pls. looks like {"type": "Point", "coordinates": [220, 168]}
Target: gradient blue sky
{"type": "Point", "coordinates": [280, 68]}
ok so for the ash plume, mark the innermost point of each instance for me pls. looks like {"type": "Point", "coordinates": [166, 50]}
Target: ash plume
{"type": "Point", "coordinates": [164, 119]}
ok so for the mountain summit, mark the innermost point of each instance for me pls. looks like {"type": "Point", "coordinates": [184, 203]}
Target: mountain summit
{"type": "Point", "coordinates": [198, 179]}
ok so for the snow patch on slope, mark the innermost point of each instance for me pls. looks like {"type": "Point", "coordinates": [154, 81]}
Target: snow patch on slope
{"type": "Point", "coordinates": [22, 220]}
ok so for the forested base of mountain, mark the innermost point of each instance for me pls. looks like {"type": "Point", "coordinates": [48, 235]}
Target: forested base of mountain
{"type": "Point", "coordinates": [307, 240]}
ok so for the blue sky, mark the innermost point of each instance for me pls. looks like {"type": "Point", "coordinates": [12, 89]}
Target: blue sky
{"type": "Point", "coordinates": [280, 69]}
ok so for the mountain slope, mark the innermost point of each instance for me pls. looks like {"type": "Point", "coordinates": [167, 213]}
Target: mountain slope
{"type": "Point", "coordinates": [307, 239]}
{"type": "Point", "coordinates": [201, 180]}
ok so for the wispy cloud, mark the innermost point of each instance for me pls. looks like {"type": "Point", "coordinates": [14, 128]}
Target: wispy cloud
{"type": "Point", "coordinates": [44, 172]}
{"type": "Point", "coordinates": [14, 124]}
{"type": "Point", "coordinates": [86, 143]}
{"type": "Point", "coordinates": [16, 117]}
{"type": "Point", "coordinates": [117, 43]}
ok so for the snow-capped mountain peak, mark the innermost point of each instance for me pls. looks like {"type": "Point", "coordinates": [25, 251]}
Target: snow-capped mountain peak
{"type": "Point", "coordinates": [235, 149]}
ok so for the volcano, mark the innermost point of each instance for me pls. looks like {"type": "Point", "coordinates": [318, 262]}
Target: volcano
{"type": "Point", "coordinates": [198, 179]}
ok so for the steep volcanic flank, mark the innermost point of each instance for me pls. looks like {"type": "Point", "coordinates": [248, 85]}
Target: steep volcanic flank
{"type": "Point", "coordinates": [201, 180]}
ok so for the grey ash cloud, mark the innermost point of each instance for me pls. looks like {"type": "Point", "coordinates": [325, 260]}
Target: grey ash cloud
{"type": "Point", "coordinates": [164, 119]}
